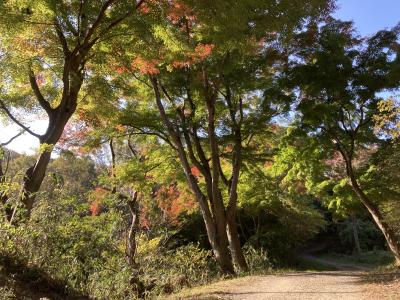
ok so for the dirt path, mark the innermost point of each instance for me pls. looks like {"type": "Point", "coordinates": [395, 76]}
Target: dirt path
{"type": "Point", "coordinates": [353, 283]}
{"type": "Point", "coordinates": [334, 285]}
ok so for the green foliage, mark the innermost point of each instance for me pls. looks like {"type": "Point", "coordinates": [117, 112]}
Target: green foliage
{"type": "Point", "coordinates": [376, 258]}
{"type": "Point", "coordinates": [88, 253]}
{"type": "Point", "coordinates": [369, 236]}
{"type": "Point", "coordinates": [282, 215]}
{"type": "Point", "coordinates": [258, 260]}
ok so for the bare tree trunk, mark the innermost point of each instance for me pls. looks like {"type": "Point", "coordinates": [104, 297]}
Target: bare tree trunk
{"type": "Point", "coordinates": [354, 223]}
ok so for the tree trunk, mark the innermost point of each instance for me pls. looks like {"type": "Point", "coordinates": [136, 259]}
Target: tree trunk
{"type": "Point", "coordinates": [131, 238]}
{"type": "Point", "coordinates": [32, 181]}
{"type": "Point", "coordinates": [221, 248]}
{"type": "Point", "coordinates": [215, 223]}
{"type": "Point", "coordinates": [234, 243]}
{"type": "Point", "coordinates": [388, 233]}
{"type": "Point", "coordinates": [34, 175]}
{"type": "Point", "coordinates": [216, 231]}
{"type": "Point", "coordinates": [354, 223]}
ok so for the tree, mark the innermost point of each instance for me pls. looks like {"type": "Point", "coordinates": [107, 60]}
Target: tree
{"type": "Point", "coordinates": [207, 76]}
{"type": "Point", "coordinates": [339, 76]}
{"type": "Point", "coordinates": [45, 62]}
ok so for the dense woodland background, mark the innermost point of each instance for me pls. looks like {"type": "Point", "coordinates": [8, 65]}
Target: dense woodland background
{"type": "Point", "coordinates": [189, 140]}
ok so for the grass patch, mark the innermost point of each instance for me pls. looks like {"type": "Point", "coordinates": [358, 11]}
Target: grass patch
{"type": "Point", "coordinates": [305, 264]}
{"type": "Point", "coordinates": [372, 259]}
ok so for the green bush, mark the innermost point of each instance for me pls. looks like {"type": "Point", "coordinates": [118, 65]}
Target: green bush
{"type": "Point", "coordinates": [257, 259]}
{"type": "Point", "coordinates": [87, 253]}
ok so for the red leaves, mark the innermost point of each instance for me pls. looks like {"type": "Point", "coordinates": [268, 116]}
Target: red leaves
{"type": "Point", "coordinates": [95, 208]}
{"type": "Point", "coordinates": [173, 203]}
{"type": "Point", "coordinates": [201, 52]}
{"type": "Point", "coordinates": [145, 66]}
{"type": "Point", "coordinates": [179, 11]}
{"type": "Point", "coordinates": [144, 8]}
{"type": "Point", "coordinates": [195, 172]}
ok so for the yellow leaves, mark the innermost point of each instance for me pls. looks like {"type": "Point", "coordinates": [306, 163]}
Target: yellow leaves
{"type": "Point", "coordinates": [388, 118]}
{"type": "Point", "coordinates": [120, 128]}
{"type": "Point", "coordinates": [43, 148]}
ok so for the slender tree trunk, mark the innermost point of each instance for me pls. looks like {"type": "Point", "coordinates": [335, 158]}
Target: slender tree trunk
{"type": "Point", "coordinates": [234, 243]}
{"type": "Point", "coordinates": [388, 233]}
{"type": "Point", "coordinates": [218, 204]}
{"type": "Point", "coordinates": [133, 229]}
{"type": "Point", "coordinates": [354, 223]}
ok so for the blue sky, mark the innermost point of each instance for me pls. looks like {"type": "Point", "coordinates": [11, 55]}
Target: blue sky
{"type": "Point", "coordinates": [369, 16]}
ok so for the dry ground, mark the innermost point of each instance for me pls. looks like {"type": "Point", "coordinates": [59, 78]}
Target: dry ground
{"type": "Point", "coordinates": [326, 285]}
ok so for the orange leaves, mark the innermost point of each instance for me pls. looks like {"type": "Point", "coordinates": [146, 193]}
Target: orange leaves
{"type": "Point", "coordinates": [173, 203]}
{"type": "Point", "coordinates": [229, 148]}
{"type": "Point", "coordinates": [120, 128]}
{"type": "Point", "coordinates": [201, 52]}
{"type": "Point", "coordinates": [121, 70]}
{"type": "Point", "coordinates": [268, 164]}
{"type": "Point", "coordinates": [96, 197]}
{"type": "Point", "coordinates": [195, 172]}
{"type": "Point", "coordinates": [146, 66]}
{"type": "Point", "coordinates": [179, 11]}
{"type": "Point", "coordinates": [95, 208]}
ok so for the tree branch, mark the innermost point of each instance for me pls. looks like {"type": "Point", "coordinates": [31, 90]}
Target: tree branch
{"type": "Point", "coordinates": [43, 103]}
{"type": "Point", "coordinates": [11, 139]}
{"type": "Point", "coordinates": [62, 38]}
{"type": "Point", "coordinates": [9, 114]}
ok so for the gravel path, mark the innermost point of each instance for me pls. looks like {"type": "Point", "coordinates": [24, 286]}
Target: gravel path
{"type": "Point", "coordinates": [344, 282]}
{"type": "Point", "coordinates": [326, 285]}
{"type": "Point", "coordinates": [318, 286]}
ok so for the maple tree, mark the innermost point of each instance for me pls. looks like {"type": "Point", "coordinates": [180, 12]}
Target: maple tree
{"type": "Point", "coordinates": [208, 91]}
{"type": "Point", "coordinates": [51, 44]}
{"type": "Point", "coordinates": [339, 79]}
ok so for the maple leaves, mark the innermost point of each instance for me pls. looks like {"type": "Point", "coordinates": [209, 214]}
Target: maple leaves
{"type": "Point", "coordinates": [173, 203]}
{"type": "Point", "coordinates": [195, 172]}
{"type": "Point", "coordinates": [96, 197]}
{"type": "Point", "coordinates": [146, 66]}
{"type": "Point", "coordinates": [200, 53]}
{"type": "Point", "coordinates": [179, 12]}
